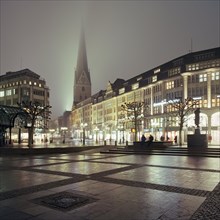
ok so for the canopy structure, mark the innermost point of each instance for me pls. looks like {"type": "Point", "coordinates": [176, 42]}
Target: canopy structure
{"type": "Point", "coordinates": [8, 116]}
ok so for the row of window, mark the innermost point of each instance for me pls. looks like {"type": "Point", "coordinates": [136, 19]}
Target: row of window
{"type": "Point", "coordinates": [177, 83]}
{"type": "Point", "coordinates": [214, 76]}
{"type": "Point", "coordinates": [157, 110]}
{"type": "Point", "coordinates": [24, 91]}
{"type": "Point", "coordinates": [15, 101]}
{"type": "Point", "coordinates": [24, 82]}
{"type": "Point", "coordinates": [203, 65]}
{"type": "Point", "coordinates": [174, 71]}
{"type": "Point", "coordinates": [8, 92]}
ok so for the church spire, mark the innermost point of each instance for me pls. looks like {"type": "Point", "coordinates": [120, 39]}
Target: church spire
{"type": "Point", "coordinates": [82, 82]}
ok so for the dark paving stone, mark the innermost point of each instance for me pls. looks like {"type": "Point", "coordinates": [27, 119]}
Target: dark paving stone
{"type": "Point", "coordinates": [210, 208]}
{"type": "Point", "coordinates": [64, 201]}
{"type": "Point", "coordinates": [167, 188]}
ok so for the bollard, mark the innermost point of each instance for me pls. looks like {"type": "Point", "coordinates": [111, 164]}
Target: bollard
{"type": "Point", "coordinates": [126, 143]}
{"type": "Point", "coordinates": [115, 143]}
{"type": "Point", "coordinates": [104, 143]}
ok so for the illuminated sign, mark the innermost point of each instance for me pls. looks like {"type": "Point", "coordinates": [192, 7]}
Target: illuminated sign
{"type": "Point", "coordinates": [156, 70]}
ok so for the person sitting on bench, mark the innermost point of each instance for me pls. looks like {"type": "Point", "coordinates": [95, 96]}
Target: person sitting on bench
{"type": "Point", "coordinates": [143, 139]}
{"type": "Point", "coordinates": [150, 140]}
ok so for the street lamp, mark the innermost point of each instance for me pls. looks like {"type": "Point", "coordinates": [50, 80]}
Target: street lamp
{"type": "Point", "coordinates": [84, 135]}
{"type": "Point", "coordinates": [64, 129]}
{"type": "Point", "coordinates": [155, 126]}
{"type": "Point", "coordinates": [52, 132]}
{"type": "Point", "coordinates": [96, 134]}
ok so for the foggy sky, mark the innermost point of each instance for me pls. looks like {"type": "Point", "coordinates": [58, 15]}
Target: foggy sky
{"type": "Point", "coordinates": [123, 38]}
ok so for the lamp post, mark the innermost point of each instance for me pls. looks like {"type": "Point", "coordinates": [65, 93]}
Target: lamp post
{"type": "Point", "coordinates": [64, 129]}
{"type": "Point", "coordinates": [96, 134]}
{"type": "Point", "coordinates": [84, 133]}
{"type": "Point", "coordinates": [52, 132]}
{"type": "Point", "coordinates": [155, 126]}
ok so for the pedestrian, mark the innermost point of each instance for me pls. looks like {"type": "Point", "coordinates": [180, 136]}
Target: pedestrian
{"type": "Point", "coordinates": [175, 139]}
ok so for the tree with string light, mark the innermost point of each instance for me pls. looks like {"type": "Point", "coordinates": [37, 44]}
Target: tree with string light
{"type": "Point", "coordinates": [37, 117]}
{"type": "Point", "coordinates": [134, 112]}
{"type": "Point", "coordinates": [180, 109]}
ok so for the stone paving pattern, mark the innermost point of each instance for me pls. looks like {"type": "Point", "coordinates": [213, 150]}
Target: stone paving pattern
{"type": "Point", "coordinates": [131, 187]}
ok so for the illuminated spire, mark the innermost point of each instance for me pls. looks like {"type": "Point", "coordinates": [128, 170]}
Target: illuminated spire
{"type": "Point", "coordinates": [82, 82]}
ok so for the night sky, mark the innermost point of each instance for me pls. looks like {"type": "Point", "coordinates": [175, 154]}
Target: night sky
{"type": "Point", "coordinates": [123, 38]}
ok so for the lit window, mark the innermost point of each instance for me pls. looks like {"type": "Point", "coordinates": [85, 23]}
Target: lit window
{"type": "Point", "coordinates": [202, 77]}
{"type": "Point", "coordinates": [170, 85]}
{"type": "Point", "coordinates": [122, 90]}
{"type": "Point", "coordinates": [2, 93]}
{"type": "Point", "coordinates": [8, 92]}
{"type": "Point", "coordinates": [154, 78]}
{"type": "Point", "coordinates": [215, 76]}
{"type": "Point", "coordinates": [35, 83]}
{"type": "Point", "coordinates": [135, 86]}
{"type": "Point", "coordinates": [39, 85]}
{"type": "Point", "coordinates": [25, 82]}
{"type": "Point", "coordinates": [30, 83]}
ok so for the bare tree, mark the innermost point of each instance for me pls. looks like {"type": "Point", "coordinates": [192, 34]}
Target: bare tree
{"type": "Point", "coordinates": [181, 108]}
{"type": "Point", "coordinates": [38, 117]}
{"type": "Point", "coordinates": [134, 112]}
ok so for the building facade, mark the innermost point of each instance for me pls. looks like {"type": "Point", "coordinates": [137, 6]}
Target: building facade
{"type": "Point", "coordinates": [195, 75]}
{"type": "Point", "coordinates": [23, 85]}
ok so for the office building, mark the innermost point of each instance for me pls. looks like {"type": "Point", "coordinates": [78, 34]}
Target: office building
{"type": "Point", "coordinates": [23, 85]}
{"type": "Point", "coordinates": [195, 75]}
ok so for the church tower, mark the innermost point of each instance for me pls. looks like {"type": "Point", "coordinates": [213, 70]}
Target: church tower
{"type": "Point", "coordinates": [82, 81]}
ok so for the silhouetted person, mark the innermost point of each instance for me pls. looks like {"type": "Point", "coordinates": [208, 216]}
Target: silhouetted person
{"type": "Point", "coordinates": [175, 139]}
{"type": "Point", "coordinates": [150, 140]}
{"type": "Point", "coordinates": [143, 139]}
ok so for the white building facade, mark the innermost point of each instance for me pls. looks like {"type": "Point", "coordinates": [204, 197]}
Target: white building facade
{"type": "Point", "coordinates": [195, 75]}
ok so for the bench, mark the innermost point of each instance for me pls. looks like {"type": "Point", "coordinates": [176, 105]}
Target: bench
{"type": "Point", "coordinates": [153, 144]}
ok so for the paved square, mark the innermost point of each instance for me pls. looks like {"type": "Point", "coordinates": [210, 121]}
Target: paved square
{"type": "Point", "coordinates": [116, 186]}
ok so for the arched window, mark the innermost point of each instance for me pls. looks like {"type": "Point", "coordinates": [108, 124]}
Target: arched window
{"type": "Point", "coordinates": [215, 119]}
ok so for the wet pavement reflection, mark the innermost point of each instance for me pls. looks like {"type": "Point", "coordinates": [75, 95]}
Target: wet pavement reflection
{"type": "Point", "coordinates": [131, 187]}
